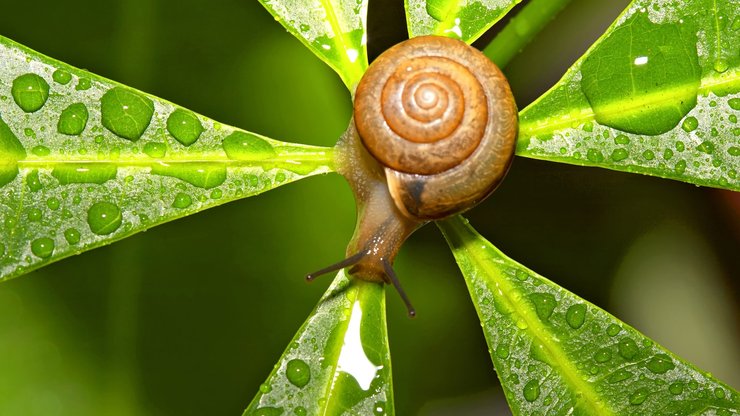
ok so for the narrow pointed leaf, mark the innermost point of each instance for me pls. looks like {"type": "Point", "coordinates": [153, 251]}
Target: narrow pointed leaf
{"type": "Point", "coordinates": [558, 354]}
{"type": "Point", "coordinates": [335, 30]}
{"type": "Point", "coordinates": [464, 20]}
{"type": "Point", "coordinates": [338, 363]}
{"type": "Point", "coordinates": [85, 161]}
{"type": "Point", "coordinates": [658, 94]}
{"type": "Point", "coordinates": [521, 29]}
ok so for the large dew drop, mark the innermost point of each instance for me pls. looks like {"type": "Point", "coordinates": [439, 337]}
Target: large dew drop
{"type": "Point", "coordinates": [643, 84]}
{"type": "Point", "coordinates": [126, 113]}
{"type": "Point", "coordinates": [298, 372]}
{"type": "Point", "coordinates": [73, 120]}
{"type": "Point", "coordinates": [576, 315]}
{"type": "Point", "coordinates": [42, 247]}
{"type": "Point", "coordinates": [184, 126]}
{"type": "Point", "coordinates": [532, 390]}
{"type": "Point", "coordinates": [244, 146]}
{"type": "Point", "coordinates": [104, 218]}
{"type": "Point", "coordinates": [30, 92]}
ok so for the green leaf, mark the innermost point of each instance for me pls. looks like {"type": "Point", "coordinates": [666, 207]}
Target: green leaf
{"type": "Point", "coordinates": [462, 20]}
{"type": "Point", "coordinates": [521, 29]}
{"type": "Point", "coordinates": [85, 161]}
{"type": "Point", "coordinates": [658, 94]}
{"type": "Point", "coordinates": [338, 362]}
{"type": "Point", "coordinates": [558, 354]}
{"type": "Point", "coordinates": [335, 30]}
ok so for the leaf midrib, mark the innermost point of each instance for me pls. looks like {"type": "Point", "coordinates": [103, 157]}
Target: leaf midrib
{"type": "Point", "coordinates": [569, 373]}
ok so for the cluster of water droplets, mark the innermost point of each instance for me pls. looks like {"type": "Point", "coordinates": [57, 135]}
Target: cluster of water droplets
{"type": "Point", "coordinates": [83, 161]}
{"type": "Point", "coordinates": [557, 352]}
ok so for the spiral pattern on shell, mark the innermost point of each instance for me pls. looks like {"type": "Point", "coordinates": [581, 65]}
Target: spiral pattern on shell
{"type": "Point", "coordinates": [441, 118]}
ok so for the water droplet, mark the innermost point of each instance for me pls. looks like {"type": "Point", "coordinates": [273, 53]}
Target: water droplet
{"type": "Point", "coordinates": [625, 89]}
{"type": "Point", "coordinates": [719, 393]}
{"type": "Point", "coordinates": [184, 126]}
{"type": "Point", "coordinates": [84, 172]}
{"type": "Point", "coordinates": [33, 181]}
{"type": "Point", "coordinates": [200, 174]}
{"type": "Point", "coordinates": [300, 411]}
{"type": "Point", "coordinates": [73, 120]}
{"type": "Point", "coordinates": [603, 355]}
{"type": "Point", "coordinates": [576, 315]}
{"type": "Point", "coordinates": [269, 411]}
{"type": "Point", "coordinates": [42, 247]}
{"type": "Point", "coordinates": [690, 124]}
{"type": "Point", "coordinates": [298, 372]}
{"type": "Point", "coordinates": [594, 155]}
{"type": "Point", "coordinates": [379, 409]}
{"type": "Point", "coordinates": [639, 396]}
{"type": "Point", "coordinates": [11, 150]}
{"type": "Point", "coordinates": [660, 364]}
{"type": "Point", "coordinates": [621, 139]}
{"type": "Point", "coordinates": [53, 203]}
{"type": "Point", "coordinates": [265, 388]}
{"type": "Point", "coordinates": [613, 330]}
{"type": "Point", "coordinates": [619, 154]}
{"type": "Point", "coordinates": [544, 304]}
{"type": "Point", "coordinates": [182, 200]}
{"type": "Point", "coordinates": [706, 147]}
{"type": "Point", "coordinates": [627, 348]}
{"type": "Point", "coordinates": [648, 154]}
{"type": "Point", "coordinates": [216, 194]}
{"type": "Point", "coordinates": [126, 113]}
{"type": "Point", "coordinates": [35, 214]}
{"type": "Point", "coordinates": [721, 65]}
{"type": "Point", "coordinates": [72, 236]}
{"type": "Point", "coordinates": [734, 151]}
{"type": "Point", "coordinates": [680, 167]}
{"type": "Point", "coordinates": [532, 390]}
{"type": "Point", "coordinates": [30, 92]}
{"type": "Point", "coordinates": [676, 388]}
{"type": "Point", "coordinates": [41, 151]}
{"type": "Point", "coordinates": [104, 218]}
{"type": "Point", "coordinates": [155, 150]}
{"type": "Point", "coordinates": [244, 146]}
{"type": "Point", "coordinates": [61, 76]}
{"type": "Point", "coordinates": [439, 10]}
{"type": "Point", "coordinates": [667, 154]}
{"type": "Point", "coordinates": [680, 146]}
{"type": "Point", "coordinates": [83, 84]}
{"type": "Point", "coordinates": [502, 351]}
{"type": "Point", "coordinates": [522, 275]}
{"type": "Point", "coordinates": [734, 103]}
{"type": "Point", "coordinates": [619, 375]}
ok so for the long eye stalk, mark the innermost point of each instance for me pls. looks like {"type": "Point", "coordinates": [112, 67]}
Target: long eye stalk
{"type": "Point", "coordinates": [390, 275]}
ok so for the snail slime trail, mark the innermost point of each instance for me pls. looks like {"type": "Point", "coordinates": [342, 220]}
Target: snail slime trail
{"type": "Point", "coordinates": [433, 133]}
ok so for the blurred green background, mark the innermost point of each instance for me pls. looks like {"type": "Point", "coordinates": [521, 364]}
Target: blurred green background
{"type": "Point", "coordinates": [189, 318]}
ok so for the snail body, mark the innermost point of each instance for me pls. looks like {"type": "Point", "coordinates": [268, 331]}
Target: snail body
{"type": "Point", "coordinates": [433, 133]}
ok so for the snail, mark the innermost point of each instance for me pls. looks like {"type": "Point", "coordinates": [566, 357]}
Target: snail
{"type": "Point", "coordinates": [433, 133]}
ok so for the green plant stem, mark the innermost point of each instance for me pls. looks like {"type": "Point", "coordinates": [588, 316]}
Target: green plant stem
{"type": "Point", "coordinates": [521, 29]}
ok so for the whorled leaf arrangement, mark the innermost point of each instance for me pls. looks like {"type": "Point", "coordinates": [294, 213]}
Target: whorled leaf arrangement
{"type": "Point", "coordinates": [85, 161]}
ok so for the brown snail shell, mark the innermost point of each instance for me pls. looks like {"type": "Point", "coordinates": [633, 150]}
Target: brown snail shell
{"type": "Point", "coordinates": [441, 118]}
{"type": "Point", "coordinates": [433, 133]}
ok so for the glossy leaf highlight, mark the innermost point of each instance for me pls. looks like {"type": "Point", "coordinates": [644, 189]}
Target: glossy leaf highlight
{"type": "Point", "coordinates": [338, 362]}
{"type": "Point", "coordinates": [334, 30]}
{"type": "Point", "coordinates": [85, 161]}
{"type": "Point", "coordinates": [558, 354]}
{"type": "Point", "coordinates": [457, 19]}
{"type": "Point", "coordinates": [658, 94]}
